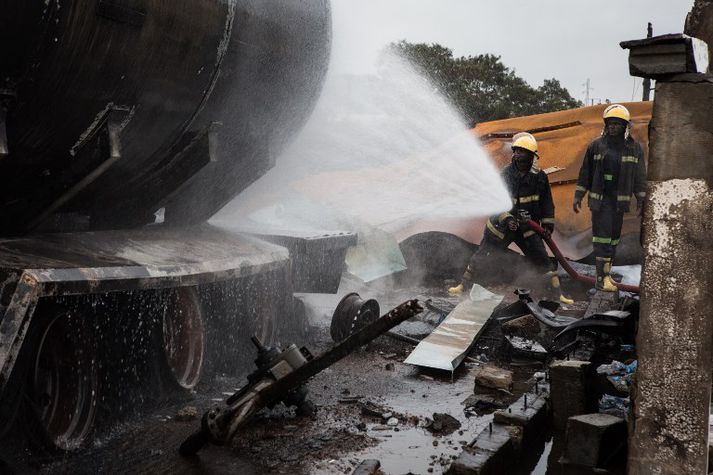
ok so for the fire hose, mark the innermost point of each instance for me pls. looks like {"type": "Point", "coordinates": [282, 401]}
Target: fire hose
{"type": "Point", "coordinates": [567, 267]}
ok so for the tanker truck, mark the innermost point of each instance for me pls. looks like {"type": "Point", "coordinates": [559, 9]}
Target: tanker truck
{"type": "Point", "coordinates": [124, 126]}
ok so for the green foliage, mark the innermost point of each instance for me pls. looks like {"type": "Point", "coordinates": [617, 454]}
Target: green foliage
{"type": "Point", "coordinates": [482, 87]}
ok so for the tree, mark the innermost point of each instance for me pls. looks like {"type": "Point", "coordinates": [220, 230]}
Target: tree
{"type": "Point", "coordinates": [482, 87]}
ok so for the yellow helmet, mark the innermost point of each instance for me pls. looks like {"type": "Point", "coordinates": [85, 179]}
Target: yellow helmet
{"type": "Point", "coordinates": [526, 141]}
{"type": "Point", "coordinates": [618, 111]}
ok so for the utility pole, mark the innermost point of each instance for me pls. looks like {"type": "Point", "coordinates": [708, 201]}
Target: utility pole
{"type": "Point", "coordinates": [647, 81]}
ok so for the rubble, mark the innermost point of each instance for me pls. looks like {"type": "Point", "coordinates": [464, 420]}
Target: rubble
{"type": "Point", "coordinates": [188, 413]}
{"type": "Point", "coordinates": [367, 467]}
{"type": "Point", "coordinates": [490, 376]}
{"type": "Point", "coordinates": [525, 327]}
{"type": "Point", "coordinates": [443, 424]}
{"type": "Point", "coordinates": [479, 404]}
{"type": "Point", "coordinates": [526, 348]}
{"type": "Point", "coordinates": [615, 406]}
{"type": "Point", "coordinates": [370, 409]}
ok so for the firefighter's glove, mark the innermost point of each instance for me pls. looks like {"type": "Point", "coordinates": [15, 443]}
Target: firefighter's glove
{"type": "Point", "coordinates": [577, 205]}
{"type": "Point", "coordinates": [511, 224]}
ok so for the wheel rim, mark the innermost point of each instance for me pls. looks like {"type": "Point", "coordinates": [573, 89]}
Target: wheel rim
{"type": "Point", "coordinates": [65, 382]}
{"type": "Point", "coordinates": [184, 338]}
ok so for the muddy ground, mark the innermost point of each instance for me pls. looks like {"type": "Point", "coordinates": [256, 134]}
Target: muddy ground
{"type": "Point", "coordinates": [369, 406]}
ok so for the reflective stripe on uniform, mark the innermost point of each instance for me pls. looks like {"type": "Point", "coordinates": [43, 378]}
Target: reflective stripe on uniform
{"type": "Point", "coordinates": [598, 156]}
{"type": "Point", "coordinates": [641, 194]}
{"type": "Point", "coordinates": [494, 230]}
{"type": "Point", "coordinates": [547, 220]}
{"type": "Point", "coordinates": [605, 259]}
{"type": "Point", "coordinates": [595, 196]}
{"type": "Point", "coordinates": [614, 242]}
{"type": "Point", "coordinates": [527, 234]}
{"type": "Point", "coordinates": [580, 188]}
{"type": "Point", "coordinates": [623, 198]}
{"type": "Point", "coordinates": [601, 240]}
{"type": "Point", "coordinates": [526, 199]}
{"type": "Point", "coordinates": [503, 216]}
{"type": "Point", "coordinates": [629, 159]}
{"type": "Point", "coordinates": [608, 177]}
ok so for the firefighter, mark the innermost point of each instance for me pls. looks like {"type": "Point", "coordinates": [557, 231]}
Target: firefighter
{"type": "Point", "coordinates": [613, 169]}
{"type": "Point", "coordinates": [531, 196]}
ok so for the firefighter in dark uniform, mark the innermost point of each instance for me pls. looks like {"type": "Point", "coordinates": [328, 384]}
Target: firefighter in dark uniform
{"type": "Point", "coordinates": [531, 196]}
{"type": "Point", "coordinates": [612, 171]}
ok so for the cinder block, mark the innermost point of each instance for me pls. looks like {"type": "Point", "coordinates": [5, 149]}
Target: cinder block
{"type": "Point", "coordinates": [491, 453]}
{"type": "Point", "coordinates": [569, 391]}
{"type": "Point", "coordinates": [529, 412]}
{"type": "Point", "coordinates": [594, 439]}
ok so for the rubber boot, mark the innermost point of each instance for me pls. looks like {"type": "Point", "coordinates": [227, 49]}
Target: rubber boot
{"type": "Point", "coordinates": [609, 283]}
{"type": "Point", "coordinates": [465, 281]}
{"type": "Point", "coordinates": [457, 290]}
{"type": "Point", "coordinates": [604, 280]}
{"type": "Point", "coordinates": [556, 286]}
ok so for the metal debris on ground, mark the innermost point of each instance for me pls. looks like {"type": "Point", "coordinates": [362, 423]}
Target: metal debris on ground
{"type": "Point", "coordinates": [280, 376]}
{"type": "Point", "coordinates": [447, 346]}
{"type": "Point", "coordinates": [525, 348]}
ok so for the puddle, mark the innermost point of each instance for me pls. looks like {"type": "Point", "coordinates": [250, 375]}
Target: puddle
{"type": "Point", "coordinates": [413, 449]}
{"type": "Point", "coordinates": [541, 467]}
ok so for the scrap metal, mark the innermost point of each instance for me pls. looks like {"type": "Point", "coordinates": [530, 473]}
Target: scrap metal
{"type": "Point", "coordinates": [221, 424]}
{"type": "Point", "coordinates": [447, 346]}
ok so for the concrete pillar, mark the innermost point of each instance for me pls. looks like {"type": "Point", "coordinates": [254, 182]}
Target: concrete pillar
{"type": "Point", "coordinates": [673, 381]}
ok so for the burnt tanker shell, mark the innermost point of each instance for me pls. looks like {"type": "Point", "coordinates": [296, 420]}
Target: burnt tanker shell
{"type": "Point", "coordinates": [116, 108]}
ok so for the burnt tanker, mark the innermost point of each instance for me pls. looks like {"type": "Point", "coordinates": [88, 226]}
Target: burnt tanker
{"type": "Point", "coordinates": [124, 126]}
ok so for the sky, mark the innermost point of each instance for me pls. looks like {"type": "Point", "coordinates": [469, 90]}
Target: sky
{"type": "Point", "coordinates": [570, 40]}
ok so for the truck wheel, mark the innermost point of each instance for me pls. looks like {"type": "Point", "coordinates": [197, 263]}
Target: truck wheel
{"type": "Point", "coordinates": [63, 386]}
{"type": "Point", "coordinates": [183, 338]}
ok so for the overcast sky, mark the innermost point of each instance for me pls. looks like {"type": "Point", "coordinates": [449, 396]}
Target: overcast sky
{"type": "Point", "coordinates": [570, 40]}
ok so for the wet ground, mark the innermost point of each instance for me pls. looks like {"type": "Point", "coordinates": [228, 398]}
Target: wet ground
{"type": "Point", "coordinates": [370, 406]}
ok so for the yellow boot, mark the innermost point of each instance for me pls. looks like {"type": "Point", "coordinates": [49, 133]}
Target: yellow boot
{"type": "Point", "coordinates": [609, 284]}
{"type": "Point", "coordinates": [604, 280]}
{"type": "Point", "coordinates": [457, 290]}
{"type": "Point", "coordinates": [555, 281]}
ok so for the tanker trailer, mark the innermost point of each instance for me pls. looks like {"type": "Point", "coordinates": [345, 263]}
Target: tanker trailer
{"type": "Point", "coordinates": [124, 126]}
